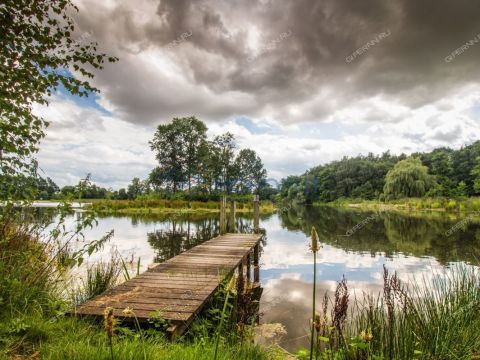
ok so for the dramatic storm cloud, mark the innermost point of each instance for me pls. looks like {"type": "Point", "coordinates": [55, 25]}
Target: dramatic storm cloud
{"type": "Point", "coordinates": [319, 79]}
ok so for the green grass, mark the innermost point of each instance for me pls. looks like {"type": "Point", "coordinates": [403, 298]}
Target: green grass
{"type": "Point", "coordinates": [100, 277]}
{"type": "Point", "coordinates": [70, 338]}
{"type": "Point", "coordinates": [163, 206]}
{"type": "Point", "coordinates": [28, 273]}
{"type": "Point", "coordinates": [464, 205]}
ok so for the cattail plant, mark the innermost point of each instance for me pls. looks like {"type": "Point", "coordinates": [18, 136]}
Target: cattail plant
{"type": "Point", "coordinates": [315, 247]}
{"type": "Point", "coordinates": [340, 310]}
{"type": "Point", "coordinates": [109, 325]}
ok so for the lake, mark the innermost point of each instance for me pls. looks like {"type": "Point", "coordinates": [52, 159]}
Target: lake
{"type": "Point", "coordinates": [355, 244]}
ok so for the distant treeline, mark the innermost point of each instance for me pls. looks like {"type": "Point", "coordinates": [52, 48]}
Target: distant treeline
{"type": "Point", "coordinates": [190, 167]}
{"type": "Point", "coordinates": [443, 172]}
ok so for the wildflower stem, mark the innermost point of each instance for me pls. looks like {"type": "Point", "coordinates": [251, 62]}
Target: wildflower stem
{"type": "Point", "coordinates": [111, 347]}
{"type": "Point", "coordinates": [224, 310]}
{"type": "Point", "coordinates": [141, 337]}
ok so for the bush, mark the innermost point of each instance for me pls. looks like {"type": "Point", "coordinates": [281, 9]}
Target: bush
{"type": "Point", "coordinates": [26, 268]}
{"type": "Point", "coordinates": [33, 261]}
{"type": "Point", "coordinates": [451, 205]}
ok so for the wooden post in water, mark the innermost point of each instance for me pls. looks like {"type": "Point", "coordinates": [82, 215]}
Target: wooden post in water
{"type": "Point", "coordinates": [231, 221]}
{"type": "Point", "coordinates": [223, 204]}
{"type": "Point", "coordinates": [256, 263]}
{"type": "Point", "coordinates": [256, 214]}
{"type": "Point", "coordinates": [240, 280]}
{"type": "Point", "coordinates": [249, 276]}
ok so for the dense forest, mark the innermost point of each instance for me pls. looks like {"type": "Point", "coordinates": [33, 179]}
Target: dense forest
{"type": "Point", "coordinates": [189, 166]}
{"type": "Point", "coordinates": [443, 172]}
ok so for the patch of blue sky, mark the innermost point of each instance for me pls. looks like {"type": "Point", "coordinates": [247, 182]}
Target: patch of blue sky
{"type": "Point", "coordinates": [255, 128]}
{"type": "Point", "coordinates": [311, 130]}
{"type": "Point", "coordinates": [475, 110]}
{"type": "Point", "coordinates": [90, 101]}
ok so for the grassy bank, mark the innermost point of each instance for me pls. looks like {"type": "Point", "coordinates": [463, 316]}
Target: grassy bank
{"type": "Point", "coordinates": [163, 206]}
{"type": "Point", "coordinates": [35, 336]}
{"type": "Point", "coordinates": [465, 205]}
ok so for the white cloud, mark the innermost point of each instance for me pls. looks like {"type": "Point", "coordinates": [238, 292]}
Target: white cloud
{"type": "Point", "coordinates": [83, 140]}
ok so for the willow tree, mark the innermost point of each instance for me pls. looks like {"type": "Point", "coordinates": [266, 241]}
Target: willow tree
{"type": "Point", "coordinates": [408, 178]}
{"type": "Point", "coordinates": [40, 50]}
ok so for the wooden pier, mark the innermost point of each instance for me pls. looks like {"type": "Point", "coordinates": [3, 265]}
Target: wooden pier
{"type": "Point", "coordinates": [178, 289]}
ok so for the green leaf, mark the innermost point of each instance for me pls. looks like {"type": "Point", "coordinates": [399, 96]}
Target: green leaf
{"type": "Point", "coordinates": [324, 339]}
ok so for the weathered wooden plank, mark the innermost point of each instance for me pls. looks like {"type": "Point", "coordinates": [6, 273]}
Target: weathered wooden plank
{"type": "Point", "coordinates": [161, 289]}
{"type": "Point", "coordinates": [140, 314]}
{"type": "Point", "coordinates": [195, 262]}
{"type": "Point", "coordinates": [198, 281]}
{"type": "Point", "coordinates": [193, 280]}
{"type": "Point", "coordinates": [152, 294]}
{"type": "Point", "coordinates": [160, 285]}
{"type": "Point", "coordinates": [186, 268]}
{"type": "Point", "coordinates": [147, 306]}
{"type": "Point", "coordinates": [108, 300]}
{"type": "Point", "coordinates": [207, 255]}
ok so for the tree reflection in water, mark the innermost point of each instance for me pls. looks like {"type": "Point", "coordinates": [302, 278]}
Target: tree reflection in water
{"type": "Point", "coordinates": [389, 233]}
{"type": "Point", "coordinates": [183, 233]}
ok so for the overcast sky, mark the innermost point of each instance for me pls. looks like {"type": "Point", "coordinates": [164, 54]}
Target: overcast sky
{"type": "Point", "coordinates": [302, 82]}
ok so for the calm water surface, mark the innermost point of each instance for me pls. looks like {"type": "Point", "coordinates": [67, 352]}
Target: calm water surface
{"type": "Point", "coordinates": [355, 244]}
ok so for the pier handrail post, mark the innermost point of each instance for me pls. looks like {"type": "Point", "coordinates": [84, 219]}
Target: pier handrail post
{"type": "Point", "coordinates": [223, 203]}
{"type": "Point", "coordinates": [233, 207]}
{"type": "Point", "coordinates": [256, 214]}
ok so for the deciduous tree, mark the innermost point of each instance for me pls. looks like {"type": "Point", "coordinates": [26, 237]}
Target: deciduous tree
{"type": "Point", "coordinates": [178, 147]}
{"type": "Point", "coordinates": [38, 53]}
{"type": "Point", "coordinates": [250, 170]}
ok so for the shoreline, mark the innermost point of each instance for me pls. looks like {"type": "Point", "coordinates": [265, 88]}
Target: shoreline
{"type": "Point", "coordinates": [174, 211]}
{"type": "Point", "coordinates": [447, 206]}
{"type": "Point", "coordinates": [175, 207]}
